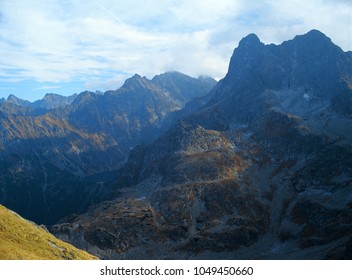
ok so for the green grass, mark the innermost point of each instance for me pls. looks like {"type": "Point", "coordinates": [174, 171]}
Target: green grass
{"type": "Point", "coordinates": [21, 239]}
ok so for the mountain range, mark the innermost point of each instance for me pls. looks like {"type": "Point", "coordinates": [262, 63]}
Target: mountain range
{"type": "Point", "coordinates": [58, 154]}
{"type": "Point", "coordinates": [256, 166]}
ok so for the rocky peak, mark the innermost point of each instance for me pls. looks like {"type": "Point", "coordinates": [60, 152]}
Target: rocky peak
{"type": "Point", "coordinates": [84, 97]}
{"type": "Point", "coordinates": [246, 55]}
{"type": "Point", "coordinates": [313, 47]}
{"type": "Point", "coordinates": [136, 82]}
{"type": "Point", "coordinates": [207, 79]}
{"type": "Point", "coordinates": [17, 101]}
{"type": "Point", "coordinates": [310, 62]}
{"type": "Point", "coordinates": [314, 36]}
{"type": "Point", "coordinates": [53, 101]}
{"type": "Point", "coordinates": [52, 96]}
{"type": "Point", "coordinates": [249, 41]}
{"type": "Point", "coordinates": [173, 77]}
{"type": "Point", "coordinates": [247, 48]}
{"type": "Point", "coordinates": [12, 97]}
{"type": "Point", "coordinates": [183, 88]}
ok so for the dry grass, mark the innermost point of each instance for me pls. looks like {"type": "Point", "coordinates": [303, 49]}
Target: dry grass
{"type": "Point", "coordinates": [24, 240]}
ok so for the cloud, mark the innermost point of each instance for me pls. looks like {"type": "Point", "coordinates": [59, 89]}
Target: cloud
{"type": "Point", "coordinates": [105, 84]}
{"type": "Point", "coordinates": [100, 43]}
{"type": "Point", "coordinates": [46, 87]}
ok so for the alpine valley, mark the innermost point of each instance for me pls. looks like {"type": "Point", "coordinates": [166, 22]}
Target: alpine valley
{"type": "Point", "coordinates": [255, 166]}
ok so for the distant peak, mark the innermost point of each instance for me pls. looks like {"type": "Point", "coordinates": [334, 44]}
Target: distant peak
{"type": "Point", "coordinates": [12, 97]}
{"type": "Point", "coordinates": [85, 95]}
{"type": "Point", "coordinates": [15, 100]}
{"type": "Point", "coordinates": [250, 40]}
{"type": "Point", "coordinates": [314, 36]}
{"type": "Point", "coordinates": [136, 76]}
{"type": "Point", "coordinates": [174, 73]}
{"type": "Point", "coordinates": [316, 33]}
{"type": "Point", "coordinates": [135, 80]}
{"type": "Point", "coordinates": [169, 75]}
{"type": "Point", "coordinates": [51, 94]}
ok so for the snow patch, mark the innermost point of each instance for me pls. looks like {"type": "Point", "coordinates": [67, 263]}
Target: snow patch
{"type": "Point", "coordinates": [307, 97]}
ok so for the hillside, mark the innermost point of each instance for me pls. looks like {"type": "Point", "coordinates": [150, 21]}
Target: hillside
{"type": "Point", "coordinates": [24, 240]}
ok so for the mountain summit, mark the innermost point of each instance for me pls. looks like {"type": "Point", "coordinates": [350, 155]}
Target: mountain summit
{"type": "Point", "coordinates": [250, 41]}
{"type": "Point", "coordinates": [309, 66]}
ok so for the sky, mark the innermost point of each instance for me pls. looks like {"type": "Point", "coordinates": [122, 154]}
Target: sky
{"type": "Point", "coordinates": [69, 46]}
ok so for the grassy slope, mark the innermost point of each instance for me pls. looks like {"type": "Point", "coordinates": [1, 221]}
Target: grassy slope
{"type": "Point", "coordinates": [23, 240]}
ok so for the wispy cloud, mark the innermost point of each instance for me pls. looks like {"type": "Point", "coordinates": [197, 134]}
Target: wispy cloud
{"type": "Point", "coordinates": [46, 87]}
{"type": "Point", "coordinates": [100, 43]}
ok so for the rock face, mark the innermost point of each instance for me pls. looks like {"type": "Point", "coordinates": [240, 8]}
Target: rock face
{"type": "Point", "coordinates": [60, 154]}
{"type": "Point", "coordinates": [261, 170]}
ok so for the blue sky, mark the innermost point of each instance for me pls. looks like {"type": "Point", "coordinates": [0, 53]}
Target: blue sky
{"type": "Point", "coordinates": [67, 47]}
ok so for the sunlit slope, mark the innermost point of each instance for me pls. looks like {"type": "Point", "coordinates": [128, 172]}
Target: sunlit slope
{"type": "Point", "coordinates": [23, 240]}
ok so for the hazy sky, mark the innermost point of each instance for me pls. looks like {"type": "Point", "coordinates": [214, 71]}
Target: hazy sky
{"type": "Point", "coordinates": [68, 46]}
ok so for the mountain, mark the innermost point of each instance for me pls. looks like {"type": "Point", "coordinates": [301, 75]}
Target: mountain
{"type": "Point", "coordinates": [17, 101]}
{"type": "Point", "coordinates": [182, 87]}
{"type": "Point", "coordinates": [302, 76]}
{"type": "Point", "coordinates": [261, 169]}
{"type": "Point", "coordinates": [49, 101]}
{"type": "Point", "coordinates": [130, 113]}
{"type": "Point", "coordinates": [24, 240]}
{"type": "Point", "coordinates": [60, 154]}
{"type": "Point", "coordinates": [53, 101]}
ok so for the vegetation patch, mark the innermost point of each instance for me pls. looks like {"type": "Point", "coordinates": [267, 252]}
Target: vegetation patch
{"type": "Point", "coordinates": [24, 240]}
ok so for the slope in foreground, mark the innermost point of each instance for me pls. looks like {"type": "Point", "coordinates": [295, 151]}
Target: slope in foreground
{"type": "Point", "coordinates": [24, 240]}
